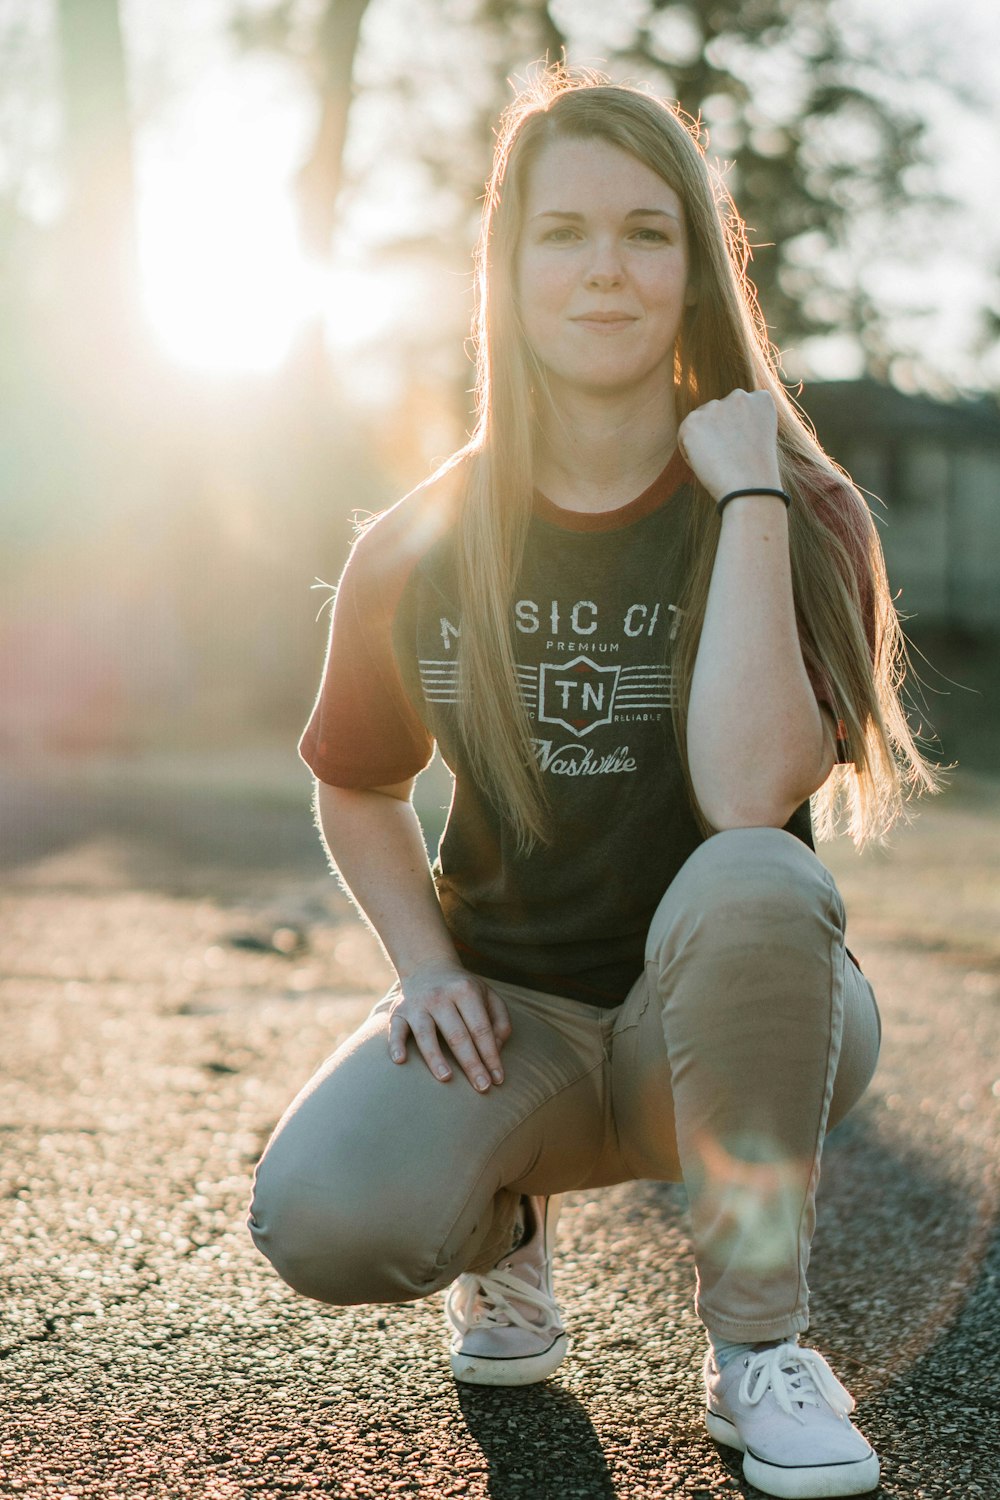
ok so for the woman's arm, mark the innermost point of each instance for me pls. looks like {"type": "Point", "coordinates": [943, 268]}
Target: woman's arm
{"type": "Point", "coordinates": [374, 840]}
{"type": "Point", "coordinates": [758, 744]}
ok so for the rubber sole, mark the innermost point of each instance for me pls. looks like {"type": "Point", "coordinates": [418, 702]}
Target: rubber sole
{"type": "Point", "coordinates": [821, 1482]}
{"type": "Point", "coordinates": [475, 1370]}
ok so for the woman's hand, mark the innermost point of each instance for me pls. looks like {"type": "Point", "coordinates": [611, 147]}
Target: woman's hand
{"type": "Point", "coordinates": [375, 840]}
{"type": "Point", "coordinates": [471, 1018]}
{"type": "Point", "coordinates": [732, 444]}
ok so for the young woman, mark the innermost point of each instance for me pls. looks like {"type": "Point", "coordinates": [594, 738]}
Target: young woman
{"type": "Point", "coordinates": [644, 618]}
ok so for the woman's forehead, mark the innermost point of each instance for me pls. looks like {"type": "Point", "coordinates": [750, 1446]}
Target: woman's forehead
{"type": "Point", "coordinates": [578, 174]}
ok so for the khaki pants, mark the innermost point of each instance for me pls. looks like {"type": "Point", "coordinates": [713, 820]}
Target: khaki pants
{"type": "Point", "coordinates": [749, 1034]}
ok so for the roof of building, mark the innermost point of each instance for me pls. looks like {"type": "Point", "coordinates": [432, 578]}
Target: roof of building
{"type": "Point", "coordinates": [867, 408]}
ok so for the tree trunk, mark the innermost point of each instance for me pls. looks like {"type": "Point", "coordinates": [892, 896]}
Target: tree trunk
{"type": "Point", "coordinates": [97, 260]}
{"type": "Point", "coordinates": [319, 180]}
{"type": "Point", "coordinates": [553, 39]}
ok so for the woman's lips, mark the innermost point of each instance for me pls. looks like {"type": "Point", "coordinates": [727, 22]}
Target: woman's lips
{"type": "Point", "coordinates": [604, 322]}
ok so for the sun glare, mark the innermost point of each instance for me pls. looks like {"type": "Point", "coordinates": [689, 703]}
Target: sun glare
{"type": "Point", "coordinates": [226, 286]}
{"type": "Point", "coordinates": [224, 283]}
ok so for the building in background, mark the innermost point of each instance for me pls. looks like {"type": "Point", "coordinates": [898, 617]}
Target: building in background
{"type": "Point", "coordinates": [937, 468]}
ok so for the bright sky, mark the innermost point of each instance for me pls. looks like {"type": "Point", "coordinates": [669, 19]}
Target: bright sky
{"type": "Point", "coordinates": [220, 136]}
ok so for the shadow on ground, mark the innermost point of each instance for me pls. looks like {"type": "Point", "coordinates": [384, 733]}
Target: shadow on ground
{"type": "Point", "coordinates": [514, 1432]}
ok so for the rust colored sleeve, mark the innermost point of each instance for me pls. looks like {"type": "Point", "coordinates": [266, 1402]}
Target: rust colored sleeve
{"type": "Point", "coordinates": [364, 731]}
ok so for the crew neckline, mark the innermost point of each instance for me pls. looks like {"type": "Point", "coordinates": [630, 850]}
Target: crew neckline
{"type": "Point", "coordinates": [664, 486]}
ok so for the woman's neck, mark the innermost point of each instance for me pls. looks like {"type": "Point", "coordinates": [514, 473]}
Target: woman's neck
{"type": "Point", "coordinates": [593, 454]}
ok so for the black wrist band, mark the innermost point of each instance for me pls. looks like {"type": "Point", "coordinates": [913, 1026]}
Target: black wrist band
{"type": "Point", "coordinates": [735, 495]}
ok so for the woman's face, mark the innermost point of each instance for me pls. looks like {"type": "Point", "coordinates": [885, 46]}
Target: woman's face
{"type": "Point", "coordinates": [602, 269]}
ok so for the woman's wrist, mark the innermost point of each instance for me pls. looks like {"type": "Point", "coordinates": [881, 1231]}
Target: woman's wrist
{"type": "Point", "coordinates": [752, 497]}
{"type": "Point", "coordinates": [760, 474]}
{"type": "Point", "coordinates": [416, 967]}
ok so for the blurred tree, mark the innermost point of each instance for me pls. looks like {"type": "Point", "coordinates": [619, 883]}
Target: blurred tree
{"type": "Point", "coordinates": [97, 238]}
{"type": "Point", "coordinates": [320, 177]}
{"type": "Point", "coordinates": [987, 345]}
{"type": "Point", "coordinates": [327, 42]}
{"type": "Point", "coordinates": [326, 47]}
{"type": "Point", "coordinates": [817, 147]}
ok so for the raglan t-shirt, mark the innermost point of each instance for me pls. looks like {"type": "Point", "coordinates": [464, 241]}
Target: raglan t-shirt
{"type": "Point", "coordinates": [594, 613]}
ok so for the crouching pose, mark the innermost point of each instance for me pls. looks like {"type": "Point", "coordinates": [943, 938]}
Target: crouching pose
{"type": "Point", "coordinates": [645, 619]}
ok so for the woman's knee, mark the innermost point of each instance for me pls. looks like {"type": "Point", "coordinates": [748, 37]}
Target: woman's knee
{"type": "Point", "coordinates": [752, 867]}
{"type": "Point", "coordinates": [343, 1247]}
{"type": "Point", "coordinates": [746, 885]}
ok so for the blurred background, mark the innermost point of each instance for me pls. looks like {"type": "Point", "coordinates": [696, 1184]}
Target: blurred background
{"type": "Point", "coordinates": [235, 241]}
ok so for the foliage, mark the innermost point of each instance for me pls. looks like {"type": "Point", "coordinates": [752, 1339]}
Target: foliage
{"type": "Point", "coordinates": [817, 148]}
{"type": "Point", "coordinates": [814, 144]}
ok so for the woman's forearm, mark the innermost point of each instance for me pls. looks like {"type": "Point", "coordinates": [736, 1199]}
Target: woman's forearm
{"type": "Point", "coordinates": [757, 744]}
{"type": "Point", "coordinates": [756, 741]}
{"type": "Point", "coordinates": [375, 842]}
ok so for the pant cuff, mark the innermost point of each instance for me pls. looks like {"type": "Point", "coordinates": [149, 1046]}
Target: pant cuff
{"type": "Point", "coordinates": [757, 1332]}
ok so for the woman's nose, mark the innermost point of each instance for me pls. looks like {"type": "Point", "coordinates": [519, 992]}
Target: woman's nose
{"type": "Point", "coordinates": [605, 268]}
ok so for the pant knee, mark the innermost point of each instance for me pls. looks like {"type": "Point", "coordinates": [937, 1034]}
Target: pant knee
{"type": "Point", "coordinates": [339, 1250]}
{"type": "Point", "coordinates": [755, 869]}
{"type": "Point", "coordinates": [742, 886]}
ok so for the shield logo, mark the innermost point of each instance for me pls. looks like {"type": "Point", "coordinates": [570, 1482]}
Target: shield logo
{"type": "Point", "coordinates": [578, 694]}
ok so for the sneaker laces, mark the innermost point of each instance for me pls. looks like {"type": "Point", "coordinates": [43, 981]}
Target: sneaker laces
{"type": "Point", "coordinates": [798, 1377]}
{"type": "Point", "coordinates": [493, 1291]}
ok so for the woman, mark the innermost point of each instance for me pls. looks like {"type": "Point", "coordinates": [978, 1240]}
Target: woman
{"type": "Point", "coordinates": [642, 615]}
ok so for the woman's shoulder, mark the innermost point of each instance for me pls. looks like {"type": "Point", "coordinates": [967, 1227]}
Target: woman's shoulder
{"type": "Point", "coordinates": [842, 510]}
{"type": "Point", "coordinates": [394, 542]}
{"type": "Point", "coordinates": [837, 500]}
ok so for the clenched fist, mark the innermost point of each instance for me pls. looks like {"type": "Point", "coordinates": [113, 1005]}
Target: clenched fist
{"type": "Point", "coordinates": [732, 444]}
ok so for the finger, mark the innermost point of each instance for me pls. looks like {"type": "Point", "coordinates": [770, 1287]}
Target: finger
{"type": "Point", "coordinates": [479, 1023]}
{"type": "Point", "coordinates": [500, 1016]}
{"type": "Point", "coordinates": [468, 1053]}
{"type": "Point", "coordinates": [426, 1037]}
{"type": "Point", "coordinates": [398, 1032]}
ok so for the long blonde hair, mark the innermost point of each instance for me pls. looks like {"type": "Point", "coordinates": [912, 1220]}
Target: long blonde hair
{"type": "Point", "coordinates": [722, 346]}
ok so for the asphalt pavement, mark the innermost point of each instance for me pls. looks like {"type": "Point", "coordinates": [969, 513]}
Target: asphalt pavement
{"type": "Point", "coordinates": [175, 961]}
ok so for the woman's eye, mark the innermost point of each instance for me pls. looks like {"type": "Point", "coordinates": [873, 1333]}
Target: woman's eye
{"type": "Point", "coordinates": [561, 235]}
{"type": "Point", "coordinates": [652, 236]}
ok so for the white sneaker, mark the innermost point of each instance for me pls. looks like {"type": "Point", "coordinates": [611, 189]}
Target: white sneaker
{"type": "Point", "coordinates": [504, 1325]}
{"type": "Point", "coordinates": [788, 1413]}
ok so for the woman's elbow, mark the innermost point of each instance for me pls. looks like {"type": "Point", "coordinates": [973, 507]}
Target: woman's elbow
{"type": "Point", "coordinates": [761, 805]}
{"type": "Point", "coordinates": [724, 813]}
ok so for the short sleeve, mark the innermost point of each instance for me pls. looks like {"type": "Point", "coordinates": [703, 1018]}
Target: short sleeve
{"type": "Point", "coordinates": [364, 731]}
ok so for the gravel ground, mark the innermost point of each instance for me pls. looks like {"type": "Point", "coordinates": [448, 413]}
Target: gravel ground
{"type": "Point", "coordinates": [175, 961]}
